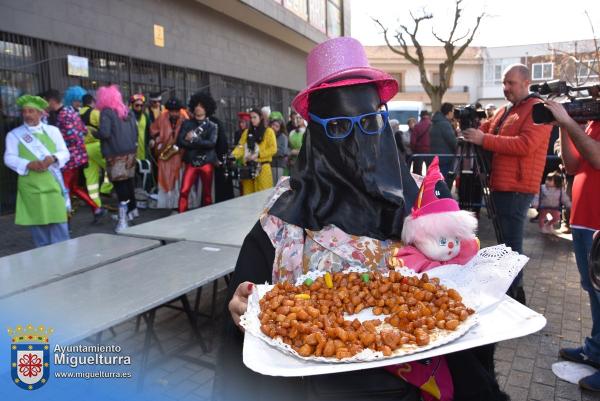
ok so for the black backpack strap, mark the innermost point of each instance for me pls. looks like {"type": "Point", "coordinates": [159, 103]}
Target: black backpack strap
{"type": "Point", "coordinates": [502, 119]}
{"type": "Point", "coordinates": [86, 117]}
{"type": "Point", "coordinates": [507, 110]}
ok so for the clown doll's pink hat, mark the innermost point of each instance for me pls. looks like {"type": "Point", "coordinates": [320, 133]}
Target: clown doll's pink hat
{"type": "Point", "coordinates": [436, 211]}
{"type": "Point", "coordinates": [429, 199]}
{"type": "Point", "coordinates": [341, 62]}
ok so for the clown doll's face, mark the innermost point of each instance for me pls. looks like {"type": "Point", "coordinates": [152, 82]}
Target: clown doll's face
{"type": "Point", "coordinates": [439, 248]}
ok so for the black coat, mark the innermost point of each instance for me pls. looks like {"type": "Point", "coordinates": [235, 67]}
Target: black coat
{"type": "Point", "coordinates": [442, 137]}
{"type": "Point", "coordinates": [201, 149]}
{"type": "Point", "coordinates": [117, 137]}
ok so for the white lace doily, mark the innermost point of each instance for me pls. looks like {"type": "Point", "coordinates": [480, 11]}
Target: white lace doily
{"type": "Point", "coordinates": [482, 283]}
{"type": "Point", "coordinates": [485, 279]}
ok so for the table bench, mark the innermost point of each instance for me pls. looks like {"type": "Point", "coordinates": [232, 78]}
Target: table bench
{"type": "Point", "coordinates": [224, 223]}
{"type": "Point", "coordinates": [88, 303]}
{"type": "Point", "coordinates": [40, 266]}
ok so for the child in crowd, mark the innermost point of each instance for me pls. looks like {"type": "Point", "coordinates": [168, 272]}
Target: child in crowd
{"type": "Point", "coordinates": [550, 201]}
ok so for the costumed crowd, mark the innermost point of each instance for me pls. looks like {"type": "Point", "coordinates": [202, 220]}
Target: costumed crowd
{"type": "Point", "coordinates": [344, 196]}
{"type": "Point", "coordinates": [149, 154]}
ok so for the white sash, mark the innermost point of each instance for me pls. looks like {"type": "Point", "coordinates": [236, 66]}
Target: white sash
{"type": "Point", "coordinates": [39, 150]}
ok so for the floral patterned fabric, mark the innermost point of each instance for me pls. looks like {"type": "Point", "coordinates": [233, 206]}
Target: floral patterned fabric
{"type": "Point", "coordinates": [298, 250]}
{"type": "Point", "coordinates": [73, 131]}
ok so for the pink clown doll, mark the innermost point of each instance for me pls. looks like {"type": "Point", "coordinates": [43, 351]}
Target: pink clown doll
{"type": "Point", "coordinates": [437, 232]}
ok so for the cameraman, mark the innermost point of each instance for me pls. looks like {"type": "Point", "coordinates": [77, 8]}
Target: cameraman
{"type": "Point", "coordinates": [442, 136]}
{"type": "Point", "coordinates": [519, 155]}
{"type": "Point", "coordinates": [580, 152]}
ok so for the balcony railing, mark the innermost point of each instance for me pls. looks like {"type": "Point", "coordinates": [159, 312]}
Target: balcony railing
{"type": "Point", "coordinates": [419, 88]}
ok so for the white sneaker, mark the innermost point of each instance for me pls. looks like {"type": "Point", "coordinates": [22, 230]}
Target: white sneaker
{"type": "Point", "coordinates": [133, 214]}
{"type": "Point", "coordinates": [122, 220]}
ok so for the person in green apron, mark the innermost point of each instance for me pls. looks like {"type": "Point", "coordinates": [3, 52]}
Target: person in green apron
{"type": "Point", "coordinates": [36, 152]}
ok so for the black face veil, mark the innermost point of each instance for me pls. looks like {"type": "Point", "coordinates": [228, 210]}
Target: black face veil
{"type": "Point", "coordinates": [357, 183]}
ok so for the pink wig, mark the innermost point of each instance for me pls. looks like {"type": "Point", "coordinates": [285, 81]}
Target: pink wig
{"type": "Point", "coordinates": [109, 97]}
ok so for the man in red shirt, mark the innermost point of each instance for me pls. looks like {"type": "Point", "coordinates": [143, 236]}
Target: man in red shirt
{"type": "Point", "coordinates": [519, 156]}
{"type": "Point", "coordinates": [581, 156]}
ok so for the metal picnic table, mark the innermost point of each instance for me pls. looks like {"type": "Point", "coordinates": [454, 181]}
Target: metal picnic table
{"type": "Point", "coordinates": [88, 303]}
{"type": "Point", "coordinates": [224, 223]}
{"type": "Point", "coordinates": [40, 266]}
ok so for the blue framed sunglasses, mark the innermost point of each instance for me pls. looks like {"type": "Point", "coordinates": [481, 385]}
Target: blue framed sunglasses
{"type": "Point", "coordinates": [341, 127]}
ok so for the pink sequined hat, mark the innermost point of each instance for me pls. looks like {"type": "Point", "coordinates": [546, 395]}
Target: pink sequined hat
{"type": "Point", "coordinates": [341, 62]}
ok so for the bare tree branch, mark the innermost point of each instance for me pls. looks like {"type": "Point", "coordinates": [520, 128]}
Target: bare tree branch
{"type": "Point", "coordinates": [404, 48]}
{"type": "Point", "coordinates": [592, 67]}
{"type": "Point", "coordinates": [416, 55]}
{"type": "Point", "coordinates": [462, 37]}
{"type": "Point", "coordinates": [464, 46]}
{"type": "Point", "coordinates": [437, 37]}
{"type": "Point", "coordinates": [457, 11]}
{"type": "Point", "coordinates": [564, 52]}
{"type": "Point", "coordinates": [597, 64]}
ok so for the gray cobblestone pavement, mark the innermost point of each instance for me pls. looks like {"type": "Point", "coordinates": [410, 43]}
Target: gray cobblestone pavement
{"type": "Point", "coordinates": [523, 365]}
{"type": "Point", "coordinates": [552, 288]}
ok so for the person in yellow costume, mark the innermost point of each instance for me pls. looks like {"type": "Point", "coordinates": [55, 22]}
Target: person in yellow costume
{"type": "Point", "coordinates": [94, 172]}
{"type": "Point", "coordinates": [257, 144]}
{"type": "Point", "coordinates": [136, 102]}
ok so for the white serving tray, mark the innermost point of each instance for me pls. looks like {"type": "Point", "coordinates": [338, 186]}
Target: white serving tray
{"type": "Point", "coordinates": [503, 321]}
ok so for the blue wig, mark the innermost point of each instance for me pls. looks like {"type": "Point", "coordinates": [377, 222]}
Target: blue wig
{"type": "Point", "coordinates": [72, 94]}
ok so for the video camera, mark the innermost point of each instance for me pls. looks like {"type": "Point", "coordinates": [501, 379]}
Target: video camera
{"type": "Point", "coordinates": [197, 132]}
{"type": "Point", "coordinates": [472, 165]}
{"type": "Point", "coordinates": [581, 109]}
{"type": "Point", "coordinates": [237, 171]}
{"type": "Point", "coordinates": [250, 140]}
{"type": "Point", "coordinates": [469, 116]}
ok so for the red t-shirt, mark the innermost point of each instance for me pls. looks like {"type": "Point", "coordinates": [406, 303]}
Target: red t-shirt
{"type": "Point", "coordinates": [585, 211]}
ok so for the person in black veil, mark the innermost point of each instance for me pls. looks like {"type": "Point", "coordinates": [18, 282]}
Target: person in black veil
{"type": "Point", "coordinates": [355, 182]}
{"type": "Point", "coordinates": [348, 178]}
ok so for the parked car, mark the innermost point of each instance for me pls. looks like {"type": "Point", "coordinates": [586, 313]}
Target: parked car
{"type": "Point", "coordinates": [403, 110]}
